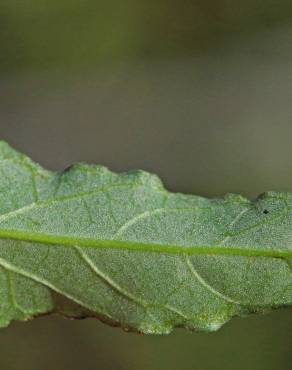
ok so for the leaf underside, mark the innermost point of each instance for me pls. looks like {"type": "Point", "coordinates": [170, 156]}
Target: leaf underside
{"type": "Point", "coordinates": [87, 242]}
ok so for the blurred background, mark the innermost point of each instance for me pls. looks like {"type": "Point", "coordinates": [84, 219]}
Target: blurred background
{"type": "Point", "coordinates": [198, 92]}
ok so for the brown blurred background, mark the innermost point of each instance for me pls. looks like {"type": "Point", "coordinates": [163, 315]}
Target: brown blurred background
{"type": "Point", "coordinates": [198, 92]}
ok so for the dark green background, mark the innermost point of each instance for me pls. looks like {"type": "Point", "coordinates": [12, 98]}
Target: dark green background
{"type": "Point", "coordinates": [198, 92]}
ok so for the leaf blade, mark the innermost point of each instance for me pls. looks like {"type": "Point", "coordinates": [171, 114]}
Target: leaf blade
{"type": "Point", "coordinates": [122, 248]}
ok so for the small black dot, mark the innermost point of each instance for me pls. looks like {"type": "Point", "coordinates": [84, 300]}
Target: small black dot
{"type": "Point", "coordinates": [266, 211]}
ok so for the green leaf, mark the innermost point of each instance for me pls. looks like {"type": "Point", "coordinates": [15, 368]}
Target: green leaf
{"type": "Point", "coordinates": [91, 243]}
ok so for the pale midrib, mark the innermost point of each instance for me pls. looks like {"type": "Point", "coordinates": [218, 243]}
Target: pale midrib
{"type": "Point", "coordinates": [63, 240]}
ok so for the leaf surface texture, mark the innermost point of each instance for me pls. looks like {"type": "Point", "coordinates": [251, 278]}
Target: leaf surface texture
{"type": "Point", "coordinates": [87, 242]}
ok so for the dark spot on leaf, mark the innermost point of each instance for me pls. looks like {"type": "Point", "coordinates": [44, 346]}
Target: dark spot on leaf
{"type": "Point", "coordinates": [67, 169]}
{"type": "Point", "coordinates": [266, 211]}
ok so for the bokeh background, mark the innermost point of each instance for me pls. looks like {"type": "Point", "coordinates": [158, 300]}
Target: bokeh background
{"type": "Point", "coordinates": [199, 92]}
